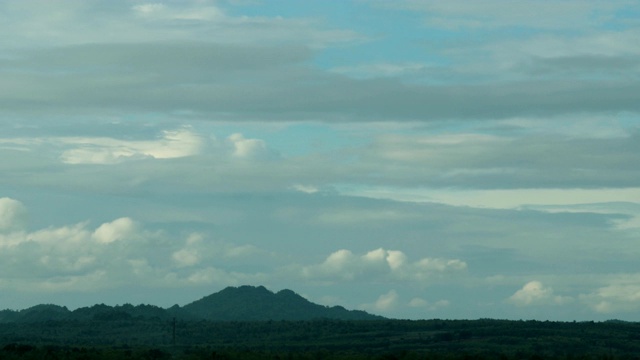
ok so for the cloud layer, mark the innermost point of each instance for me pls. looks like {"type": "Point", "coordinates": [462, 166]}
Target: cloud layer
{"type": "Point", "coordinates": [412, 158]}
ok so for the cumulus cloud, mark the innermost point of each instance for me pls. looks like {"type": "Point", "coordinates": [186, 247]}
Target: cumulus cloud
{"type": "Point", "coordinates": [70, 252]}
{"type": "Point", "coordinates": [535, 293]}
{"type": "Point", "coordinates": [385, 303]}
{"type": "Point", "coordinates": [381, 264]}
{"type": "Point", "coordinates": [244, 148]}
{"type": "Point", "coordinates": [623, 295]}
{"type": "Point", "coordinates": [80, 257]}
{"type": "Point", "coordinates": [186, 257]}
{"type": "Point", "coordinates": [119, 229]}
{"type": "Point", "coordinates": [13, 214]}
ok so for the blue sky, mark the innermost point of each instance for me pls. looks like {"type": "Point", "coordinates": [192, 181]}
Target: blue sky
{"type": "Point", "coordinates": [415, 159]}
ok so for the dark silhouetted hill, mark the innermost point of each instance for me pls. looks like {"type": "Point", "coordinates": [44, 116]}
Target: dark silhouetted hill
{"type": "Point", "coordinates": [36, 313]}
{"type": "Point", "coordinates": [244, 303]}
{"type": "Point", "coordinates": [249, 303]}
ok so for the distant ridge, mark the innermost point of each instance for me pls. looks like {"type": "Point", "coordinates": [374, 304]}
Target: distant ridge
{"type": "Point", "coordinates": [251, 303]}
{"type": "Point", "coordinates": [244, 303]}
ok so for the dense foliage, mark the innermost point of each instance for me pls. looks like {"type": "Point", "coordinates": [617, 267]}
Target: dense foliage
{"type": "Point", "coordinates": [244, 303]}
{"type": "Point", "coordinates": [254, 323]}
{"type": "Point", "coordinates": [111, 338]}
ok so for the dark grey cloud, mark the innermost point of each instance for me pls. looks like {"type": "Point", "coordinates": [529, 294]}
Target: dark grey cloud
{"type": "Point", "coordinates": [277, 82]}
{"type": "Point", "coordinates": [499, 163]}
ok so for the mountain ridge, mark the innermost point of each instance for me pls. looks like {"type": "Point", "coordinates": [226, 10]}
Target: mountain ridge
{"type": "Point", "coordinates": [243, 303]}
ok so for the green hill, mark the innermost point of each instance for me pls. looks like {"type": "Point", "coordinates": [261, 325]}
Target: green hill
{"type": "Point", "coordinates": [244, 303]}
{"type": "Point", "coordinates": [249, 303]}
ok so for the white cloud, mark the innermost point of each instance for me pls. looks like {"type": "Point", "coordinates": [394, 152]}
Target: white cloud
{"type": "Point", "coordinates": [385, 303]}
{"type": "Point", "coordinates": [535, 293]}
{"type": "Point", "coordinates": [13, 214]}
{"type": "Point", "coordinates": [173, 144]}
{"type": "Point", "coordinates": [307, 189]}
{"type": "Point", "coordinates": [381, 264]}
{"type": "Point", "coordinates": [396, 259]}
{"type": "Point", "coordinates": [244, 148]}
{"type": "Point", "coordinates": [117, 230]}
{"type": "Point", "coordinates": [623, 295]}
{"type": "Point", "coordinates": [506, 198]}
{"type": "Point", "coordinates": [115, 253]}
{"type": "Point", "coordinates": [186, 257]}
{"type": "Point", "coordinates": [191, 253]}
{"type": "Point", "coordinates": [158, 11]}
{"type": "Point", "coordinates": [338, 264]}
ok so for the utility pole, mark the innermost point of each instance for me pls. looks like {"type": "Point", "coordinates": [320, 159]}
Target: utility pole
{"type": "Point", "coordinates": [174, 331]}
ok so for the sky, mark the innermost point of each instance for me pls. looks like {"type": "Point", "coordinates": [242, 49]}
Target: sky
{"type": "Point", "coordinates": [415, 159]}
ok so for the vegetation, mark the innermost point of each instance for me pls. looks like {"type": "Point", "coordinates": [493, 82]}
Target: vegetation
{"type": "Point", "coordinates": [245, 303]}
{"type": "Point", "coordinates": [317, 339]}
{"type": "Point", "coordinates": [198, 332]}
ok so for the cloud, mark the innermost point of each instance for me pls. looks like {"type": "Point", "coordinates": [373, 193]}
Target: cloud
{"type": "Point", "coordinates": [117, 230]}
{"type": "Point", "coordinates": [158, 11]}
{"type": "Point", "coordinates": [120, 21]}
{"type": "Point", "coordinates": [491, 161]}
{"type": "Point", "coordinates": [420, 303]}
{"type": "Point", "coordinates": [253, 149]}
{"type": "Point", "coordinates": [385, 303]}
{"type": "Point", "coordinates": [151, 58]}
{"type": "Point", "coordinates": [170, 144]}
{"type": "Point", "coordinates": [535, 293]}
{"type": "Point", "coordinates": [307, 189]}
{"type": "Point", "coordinates": [114, 254]}
{"type": "Point", "coordinates": [621, 296]}
{"type": "Point", "coordinates": [564, 15]}
{"type": "Point", "coordinates": [173, 144]}
{"type": "Point", "coordinates": [377, 70]}
{"type": "Point", "coordinates": [487, 170]}
{"type": "Point", "coordinates": [13, 215]}
{"type": "Point", "coordinates": [380, 265]}
{"type": "Point", "coordinates": [212, 80]}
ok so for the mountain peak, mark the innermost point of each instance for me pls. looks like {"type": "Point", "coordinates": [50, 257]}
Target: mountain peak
{"type": "Point", "coordinates": [257, 303]}
{"type": "Point", "coordinates": [243, 303]}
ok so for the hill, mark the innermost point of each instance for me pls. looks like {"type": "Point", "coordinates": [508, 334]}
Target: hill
{"type": "Point", "coordinates": [249, 303]}
{"type": "Point", "coordinates": [244, 303]}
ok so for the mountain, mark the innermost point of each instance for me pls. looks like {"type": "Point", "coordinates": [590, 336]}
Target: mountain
{"type": "Point", "coordinates": [249, 303]}
{"type": "Point", "coordinates": [100, 312]}
{"type": "Point", "coordinates": [244, 303]}
{"type": "Point", "coordinates": [36, 313]}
